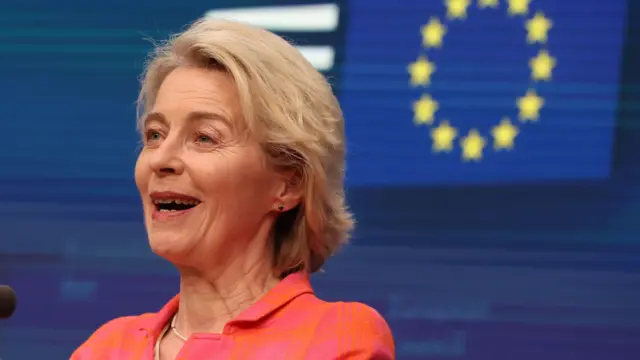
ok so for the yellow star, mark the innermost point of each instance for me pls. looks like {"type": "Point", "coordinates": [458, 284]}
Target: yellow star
{"type": "Point", "coordinates": [518, 7]}
{"type": "Point", "coordinates": [472, 146]}
{"type": "Point", "coordinates": [443, 137]}
{"type": "Point", "coordinates": [424, 109]}
{"type": "Point", "coordinates": [542, 66]}
{"type": "Point", "coordinates": [537, 28]}
{"type": "Point", "coordinates": [457, 9]}
{"type": "Point", "coordinates": [504, 135]}
{"type": "Point", "coordinates": [432, 33]}
{"type": "Point", "coordinates": [421, 71]}
{"type": "Point", "coordinates": [488, 3]}
{"type": "Point", "coordinates": [530, 106]}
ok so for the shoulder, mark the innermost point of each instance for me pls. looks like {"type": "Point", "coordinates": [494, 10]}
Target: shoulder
{"type": "Point", "coordinates": [110, 336]}
{"type": "Point", "coordinates": [355, 331]}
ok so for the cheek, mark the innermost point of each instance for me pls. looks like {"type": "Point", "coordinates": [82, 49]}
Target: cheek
{"type": "Point", "coordinates": [141, 173]}
{"type": "Point", "coordinates": [236, 183]}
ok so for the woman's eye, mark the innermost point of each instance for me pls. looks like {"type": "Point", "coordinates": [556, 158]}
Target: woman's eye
{"type": "Point", "coordinates": [205, 139]}
{"type": "Point", "coordinates": [153, 135]}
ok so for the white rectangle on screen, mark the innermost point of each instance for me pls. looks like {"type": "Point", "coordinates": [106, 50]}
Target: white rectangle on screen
{"type": "Point", "coordinates": [321, 57]}
{"type": "Point", "coordinates": [298, 18]}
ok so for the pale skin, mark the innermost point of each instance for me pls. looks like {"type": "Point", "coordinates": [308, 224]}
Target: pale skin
{"type": "Point", "coordinates": [222, 247]}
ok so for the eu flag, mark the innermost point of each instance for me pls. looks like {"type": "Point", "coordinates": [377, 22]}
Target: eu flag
{"type": "Point", "coordinates": [482, 91]}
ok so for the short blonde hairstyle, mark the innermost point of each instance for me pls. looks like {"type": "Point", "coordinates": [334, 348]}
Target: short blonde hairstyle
{"type": "Point", "coordinates": [289, 107]}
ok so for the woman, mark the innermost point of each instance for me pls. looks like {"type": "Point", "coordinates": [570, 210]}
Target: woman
{"type": "Point", "coordinates": [241, 179]}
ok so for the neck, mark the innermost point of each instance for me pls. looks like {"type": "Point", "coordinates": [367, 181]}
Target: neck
{"type": "Point", "coordinates": [208, 300]}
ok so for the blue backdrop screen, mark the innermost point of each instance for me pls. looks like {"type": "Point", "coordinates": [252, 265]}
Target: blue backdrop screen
{"type": "Point", "coordinates": [483, 67]}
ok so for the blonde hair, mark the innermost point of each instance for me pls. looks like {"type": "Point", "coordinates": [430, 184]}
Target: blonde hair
{"type": "Point", "coordinates": [290, 108]}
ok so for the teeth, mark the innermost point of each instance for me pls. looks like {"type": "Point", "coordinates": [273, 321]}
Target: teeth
{"type": "Point", "coordinates": [181, 202]}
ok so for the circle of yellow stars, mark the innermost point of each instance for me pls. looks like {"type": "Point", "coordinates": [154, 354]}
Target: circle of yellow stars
{"type": "Point", "coordinates": [473, 144]}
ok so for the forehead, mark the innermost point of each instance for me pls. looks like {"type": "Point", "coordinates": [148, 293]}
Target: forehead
{"type": "Point", "coordinates": [188, 90]}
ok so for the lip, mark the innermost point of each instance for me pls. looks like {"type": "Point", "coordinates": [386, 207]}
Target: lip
{"type": "Point", "coordinates": [155, 195]}
{"type": "Point", "coordinates": [158, 215]}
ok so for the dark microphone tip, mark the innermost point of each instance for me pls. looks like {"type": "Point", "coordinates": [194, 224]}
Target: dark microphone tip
{"type": "Point", "coordinates": [8, 301]}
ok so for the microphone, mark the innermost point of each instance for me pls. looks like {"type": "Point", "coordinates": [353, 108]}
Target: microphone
{"type": "Point", "coordinates": [7, 301]}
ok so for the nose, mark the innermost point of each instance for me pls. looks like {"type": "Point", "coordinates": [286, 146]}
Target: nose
{"type": "Point", "coordinates": [166, 159]}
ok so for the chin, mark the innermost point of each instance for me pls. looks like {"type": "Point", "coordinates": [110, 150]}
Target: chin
{"type": "Point", "coordinates": [169, 246]}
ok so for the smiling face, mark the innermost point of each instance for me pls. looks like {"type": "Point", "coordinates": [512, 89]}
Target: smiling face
{"type": "Point", "coordinates": [207, 193]}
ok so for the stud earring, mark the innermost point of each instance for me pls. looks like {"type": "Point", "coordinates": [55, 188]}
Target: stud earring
{"type": "Point", "coordinates": [281, 207]}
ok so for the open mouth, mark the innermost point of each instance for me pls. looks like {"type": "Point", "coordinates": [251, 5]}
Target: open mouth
{"type": "Point", "coordinates": [173, 202]}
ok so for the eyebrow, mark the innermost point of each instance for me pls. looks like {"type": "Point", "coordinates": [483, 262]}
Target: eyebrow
{"type": "Point", "coordinates": [193, 116]}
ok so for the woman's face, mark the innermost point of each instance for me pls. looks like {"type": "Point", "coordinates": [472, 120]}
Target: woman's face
{"type": "Point", "coordinates": [206, 193]}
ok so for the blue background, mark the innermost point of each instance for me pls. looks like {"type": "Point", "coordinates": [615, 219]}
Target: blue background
{"type": "Point", "coordinates": [529, 254]}
{"type": "Point", "coordinates": [481, 69]}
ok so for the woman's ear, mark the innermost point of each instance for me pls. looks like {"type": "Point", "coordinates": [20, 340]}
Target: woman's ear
{"type": "Point", "coordinates": [289, 192]}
